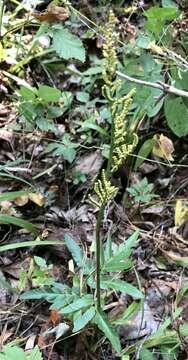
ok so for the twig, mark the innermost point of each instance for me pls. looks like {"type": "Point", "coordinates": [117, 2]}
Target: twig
{"type": "Point", "coordinates": [157, 85]}
{"type": "Point", "coordinates": [2, 5]}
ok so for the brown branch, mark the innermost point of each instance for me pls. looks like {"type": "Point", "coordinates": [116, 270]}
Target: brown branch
{"type": "Point", "coordinates": [157, 85]}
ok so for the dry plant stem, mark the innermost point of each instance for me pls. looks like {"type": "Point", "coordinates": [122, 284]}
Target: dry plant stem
{"type": "Point", "coordinates": [158, 85]}
{"type": "Point", "coordinates": [2, 6]}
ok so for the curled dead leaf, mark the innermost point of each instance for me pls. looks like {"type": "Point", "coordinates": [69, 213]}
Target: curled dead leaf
{"type": "Point", "coordinates": [53, 14]}
{"type": "Point", "coordinates": [163, 148]}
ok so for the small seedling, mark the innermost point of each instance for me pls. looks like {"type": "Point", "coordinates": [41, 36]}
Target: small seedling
{"type": "Point", "coordinates": [141, 192]}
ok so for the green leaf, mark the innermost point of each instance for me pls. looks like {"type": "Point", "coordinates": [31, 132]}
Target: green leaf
{"type": "Point", "coordinates": [49, 94]}
{"type": "Point", "coordinates": [157, 18]}
{"type": "Point", "coordinates": [40, 261]}
{"type": "Point", "coordinates": [117, 261]}
{"type": "Point", "coordinates": [120, 285]}
{"type": "Point", "coordinates": [146, 354]}
{"type": "Point", "coordinates": [79, 304]}
{"type": "Point", "coordinates": [27, 93]}
{"type": "Point", "coordinates": [169, 3]}
{"type": "Point", "coordinates": [35, 354]}
{"type": "Point", "coordinates": [144, 151]}
{"type": "Point", "coordinates": [67, 45]}
{"type": "Point", "coordinates": [104, 325]}
{"type": "Point", "coordinates": [12, 353]}
{"type": "Point", "coordinates": [74, 249]}
{"type": "Point", "coordinates": [12, 195]}
{"type": "Point", "coordinates": [176, 114]}
{"type": "Point", "coordinates": [47, 293]}
{"type": "Point", "coordinates": [82, 96]}
{"type": "Point", "coordinates": [82, 320]}
{"type": "Point", "coordinates": [8, 219]}
{"type": "Point", "coordinates": [124, 317]}
{"type": "Point", "coordinates": [114, 266]}
{"type": "Point", "coordinates": [30, 244]}
{"type": "Point", "coordinates": [184, 329]}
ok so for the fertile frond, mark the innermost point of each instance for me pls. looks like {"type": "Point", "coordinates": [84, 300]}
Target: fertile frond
{"type": "Point", "coordinates": [122, 148]}
{"type": "Point", "coordinates": [104, 191]}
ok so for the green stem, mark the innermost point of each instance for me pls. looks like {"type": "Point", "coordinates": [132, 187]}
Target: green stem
{"type": "Point", "coordinates": [109, 164]}
{"type": "Point", "coordinates": [100, 220]}
{"type": "Point", "coordinates": [98, 254]}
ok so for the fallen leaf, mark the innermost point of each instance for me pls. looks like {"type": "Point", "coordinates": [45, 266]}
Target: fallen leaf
{"type": "Point", "coordinates": [21, 200]}
{"type": "Point", "coordinates": [55, 317]}
{"type": "Point", "coordinates": [181, 213]}
{"type": "Point", "coordinates": [53, 14]}
{"type": "Point", "coordinates": [89, 164]}
{"type": "Point", "coordinates": [163, 148]}
{"type": "Point", "coordinates": [37, 198]}
{"type": "Point", "coordinates": [178, 259]}
{"type": "Point", "coordinates": [6, 135]}
{"type": "Point", "coordinates": [30, 344]}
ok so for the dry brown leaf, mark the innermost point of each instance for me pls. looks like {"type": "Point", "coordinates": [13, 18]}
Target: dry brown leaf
{"type": "Point", "coordinates": [53, 14]}
{"type": "Point", "coordinates": [55, 317]}
{"type": "Point", "coordinates": [89, 164]}
{"type": "Point", "coordinates": [37, 198]}
{"type": "Point", "coordinates": [21, 200]}
{"type": "Point", "coordinates": [164, 147]}
{"type": "Point", "coordinates": [6, 135]}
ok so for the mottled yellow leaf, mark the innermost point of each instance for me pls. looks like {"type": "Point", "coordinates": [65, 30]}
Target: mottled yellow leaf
{"type": "Point", "coordinates": [181, 213]}
{"type": "Point", "coordinates": [2, 52]}
{"type": "Point", "coordinates": [37, 198]}
{"type": "Point", "coordinates": [163, 147]}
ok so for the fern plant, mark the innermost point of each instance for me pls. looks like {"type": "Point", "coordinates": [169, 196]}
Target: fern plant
{"type": "Point", "coordinates": [78, 302]}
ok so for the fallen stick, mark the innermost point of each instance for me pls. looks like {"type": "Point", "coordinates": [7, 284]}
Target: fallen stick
{"type": "Point", "coordinates": [157, 85]}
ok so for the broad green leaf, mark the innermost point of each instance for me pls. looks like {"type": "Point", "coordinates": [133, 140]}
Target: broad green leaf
{"type": "Point", "coordinates": [67, 45]}
{"type": "Point", "coordinates": [74, 249]}
{"type": "Point", "coordinates": [120, 285]}
{"type": "Point", "coordinates": [104, 325]}
{"type": "Point", "coordinates": [82, 96]}
{"type": "Point", "coordinates": [144, 151]}
{"type": "Point", "coordinates": [27, 93]}
{"type": "Point", "coordinates": [49, 94]}
{"type": "Point", "coordinates": [146, 354]}
{"type": "Point", "coordinates": [37, 294]}
{"type": "Point", "coordinates": [176, 113]}
{"type": "Point", "coordinates": [12, 353]}
{"type": "Point", "coordinates": [117, 261]}
{"type": "Point", "coordinates": [158, 17]}
{"type": "Point", "coordinates": [8, 219]}
{"type": "Point", "coordinates": [79, 304]}
{"type": "Point", "coordinates": [82, 320]}
{"type": "Point", "coordinates": [113, 266]}
{"type": "Point", "coordinates": [35, 354]}
{"type": "Point", "coordinates": [12, 195]}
